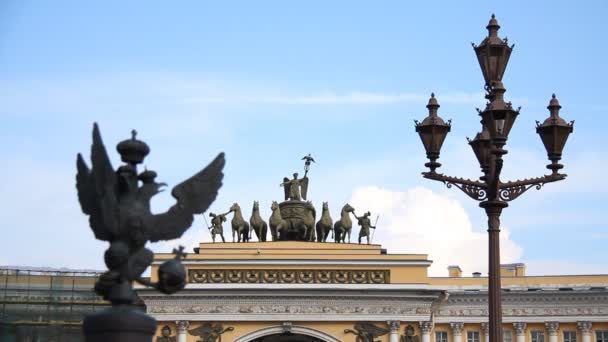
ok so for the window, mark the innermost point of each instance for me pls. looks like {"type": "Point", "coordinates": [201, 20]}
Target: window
{"type": "Point", "coordinates": [507, 336]}
{"type": "Point", "coordinates": [539, 336]}
{"type": "Point", "coordinates": [601, 336]}
{"type": "Point", "coordinates": [569, 336]}
{"type": "Point", "coordinates": [473, 336]}
{"type": "Point", "coordinates": [441, 336]}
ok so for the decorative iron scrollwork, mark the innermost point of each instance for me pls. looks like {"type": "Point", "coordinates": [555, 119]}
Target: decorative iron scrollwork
{"type": "Point", "coordinates": [474, 189]}
{"type": "Point", "coordinates": [511, 190]}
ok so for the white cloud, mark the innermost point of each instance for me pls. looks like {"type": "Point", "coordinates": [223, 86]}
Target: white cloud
{"type": "Point", "coordinates": [122, 94]}
{"type": "Point", "coordinates": [421, 221]}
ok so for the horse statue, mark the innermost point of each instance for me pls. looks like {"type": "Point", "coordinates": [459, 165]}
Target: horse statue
{"type": "Point", "coordinates": [278, 226]}
{"type": "Point", "coordinates": [257, 224]}
{"type": "Point", "coordinates": [344, 225]}
{"type": "Point", "coordinates": [309, 221]}
{"type": "Point", "coordinates": [239, 225]}
{"type": "Point", "coordinates": [324, 225]}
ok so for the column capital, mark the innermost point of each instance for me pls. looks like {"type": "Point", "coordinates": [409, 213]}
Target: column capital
{"type": "Point", "coordinates": [457, 327]}
{"type": "Point", "coordinates": [520, 328]}
{"type": "Point", "coordinates": [584, 326]}
{"type": "Point", "coordinates": [182, 326]}
{"type": "Point", "coordinates": [552, 327]}
{"type": "Point", "coordinates": [426, 327]}
{"type": "Point", "coordinates": [394, 326]}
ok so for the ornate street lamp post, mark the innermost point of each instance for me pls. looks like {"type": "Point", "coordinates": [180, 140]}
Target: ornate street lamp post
{"type": "Point", "coordinates": [488, 145]}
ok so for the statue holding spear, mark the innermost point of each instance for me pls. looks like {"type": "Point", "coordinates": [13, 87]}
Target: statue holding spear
{"type": "Point", "coordinates": [365, 224]}
{"type": "Point", "coordinates": [216, 225]}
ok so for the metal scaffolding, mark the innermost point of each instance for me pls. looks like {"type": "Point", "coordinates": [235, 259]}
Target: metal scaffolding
{"type": "Point", "coordinates": [39, 304]}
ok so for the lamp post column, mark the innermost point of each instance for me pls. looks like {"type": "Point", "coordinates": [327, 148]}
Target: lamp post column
{"type": "Point", "coordinates": [493, 210]}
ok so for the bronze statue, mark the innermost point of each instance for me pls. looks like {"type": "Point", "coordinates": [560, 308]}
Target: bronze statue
{"type": "Point", "coordinates": [409, 335]}
{"type": "Point", "coordinates": [307, 160]}
{"type": "Point", "coordinates": [257, 223]}
{"type": "Point", "coordinates": [209, 332]}
{"type": "Point", "coordinates": [309, 221]}
{"type": "Point", "coordinates": [343, 226]}
{"type": "Point", "coordinates": [166, 335]}
{"type": "Point", "coordinates": [278, 225]}
{"type": "Point", "coordinates": [216, 224]}
{"type": "Point", "coordinates": [325, 224]}
{"type": "Point", "coordinates": [365, 224]}
{"type": "Point", "coordinates": [367, 331]}
{"type": "Point", "coordinates": [240, 227]}
{"type": "Point", "coordinates": [118, 205]}
{"type": "Point", "coordinates": [292, 188]}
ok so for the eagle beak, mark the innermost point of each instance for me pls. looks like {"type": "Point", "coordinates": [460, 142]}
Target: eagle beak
{"type": "Point", "coordinates": [160, 186]}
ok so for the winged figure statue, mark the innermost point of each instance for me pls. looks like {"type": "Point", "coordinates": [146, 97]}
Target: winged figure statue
{"type": "Point", "coordinates": [292, 188]}
{"type": "Point", "coordinates": [367, 331]}
{"type": "Point", "coordinates": [118, 206]}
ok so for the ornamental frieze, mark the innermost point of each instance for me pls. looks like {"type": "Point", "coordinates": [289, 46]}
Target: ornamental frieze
{"type": "Point", "coordinates": [549, 311]}
{"type": "Point", "coordinates": [220, 276]}
{"type": "Point", "coordinates": [288, 309]}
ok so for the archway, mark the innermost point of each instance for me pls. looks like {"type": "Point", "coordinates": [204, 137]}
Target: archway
{"type": "Point", "coordinates": [287, 333]}
{"type": "Point", "coordinates": [287, 337]}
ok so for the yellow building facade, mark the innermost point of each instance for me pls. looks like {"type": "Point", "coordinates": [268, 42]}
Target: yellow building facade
{"type": "Point", "coordinates": [307, 291]}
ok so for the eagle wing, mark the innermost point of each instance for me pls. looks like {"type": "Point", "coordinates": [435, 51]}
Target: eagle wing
{"type": "Point", "coordinates": [204, 330]}
{"type": "Point", "coordinates": [304, 185]}
{"type": "Point", "coordinates": [286, 187]}
{"type": "Point", "coordinates": [194, 196]}
{"type": "Point", "coordinates": [97, 189]}
{"type": "Point", "coordinates": [370, 328]}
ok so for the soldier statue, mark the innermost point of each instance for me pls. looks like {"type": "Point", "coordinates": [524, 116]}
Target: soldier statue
{"type": "Point", "coordinates": [216, 224]}
{"type": "Point", "coordinates": [166, 335]}
{"type": "Point", "coordinates": [365, 224]}
{"type": "Point", "coordinates": [409, 335]}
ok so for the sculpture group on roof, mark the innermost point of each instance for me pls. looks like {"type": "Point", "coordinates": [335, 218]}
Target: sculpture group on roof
{"type": "Point", "coordinates": [293, 219]}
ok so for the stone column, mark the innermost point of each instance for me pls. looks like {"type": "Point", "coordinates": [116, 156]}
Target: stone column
{"type": "Point", "coordinates": [182, 331]}
{"type": "Point", "coordinates": [426, 328]}
{"type": "Point", "coordinates": [520, 331]}
{"type": "Point", "coordinates": [552, 328]}
{"type": "Point", "coordinates": [457, 331]}
{"type": "Point", "coordinates": [394, 328]}
{"type": "Point", "coordinates": [485, 327]}
{"type": "Point", "coordinates": [585, 328]}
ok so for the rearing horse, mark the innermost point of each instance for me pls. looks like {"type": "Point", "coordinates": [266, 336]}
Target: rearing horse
{"type": "Point", "coordinates": [257, 224]}
{"type": "Point", "coordinates": [239, 225]}
{"type": "Point", "coordinates": [324, 225]}
{"type": "Point", "coordinates": [344, 225]}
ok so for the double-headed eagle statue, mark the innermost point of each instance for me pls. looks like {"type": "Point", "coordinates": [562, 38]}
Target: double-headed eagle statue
{"type": "Point", "coordinates": [118, 205]}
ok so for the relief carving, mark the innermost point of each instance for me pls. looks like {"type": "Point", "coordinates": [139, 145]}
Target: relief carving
{"type": "Point", "coordinates": [209, 332]}
{"type": "Point", "coordinates": [289, 276]}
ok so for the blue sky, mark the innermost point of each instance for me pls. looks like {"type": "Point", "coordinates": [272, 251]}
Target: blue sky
{"type": "Point", "coordinates": [268, 82]}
